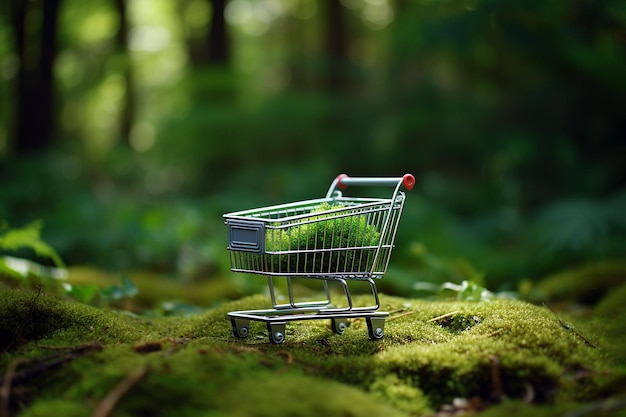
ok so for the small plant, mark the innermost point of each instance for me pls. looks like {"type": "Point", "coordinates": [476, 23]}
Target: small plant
{"type": "Point", "coordinates": [468, 291]}
{"type": "Point", "coordinates": [22, 272]}
{"type": "Point", "coordinates": [453, 278]}
{"type": "Point", "coordinates": [92, 294]}
{"type": "Point", "coordinates": [14, 240]}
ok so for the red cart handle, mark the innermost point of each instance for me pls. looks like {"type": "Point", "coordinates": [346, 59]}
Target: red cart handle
{"type": "Point", "coordinates": [343, 181]}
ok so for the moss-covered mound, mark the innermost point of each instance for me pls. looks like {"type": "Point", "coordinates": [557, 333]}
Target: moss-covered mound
{"type": "Point", "coordinates": [65, 358]}
{"type": "Point", "coordinates": [586, 284]}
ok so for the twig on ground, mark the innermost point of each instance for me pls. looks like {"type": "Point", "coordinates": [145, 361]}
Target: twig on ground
{"type": "Point", "coordinates": [497, 389]}
{"type": "Point", "coordinates": [529, 398]}
{"type": "Point", "coordinates": [74, 349]}
{"type": "Point", "coordinates": [570, 327]}
{"type": "Point", "coordinates": [443, 316]}
{"type": "Point", "coordinates": [289, 359]}
{"type": "Point", "coordinates": [5, 388]}
{"type": "Point", "coordinates": [408, 313]}
{"type": "Point", "coordinates": [41, 365]}
{"type": "Point", "coordinates": [108, 403]}
{"type": "Point", "coordinates": [492, 334]}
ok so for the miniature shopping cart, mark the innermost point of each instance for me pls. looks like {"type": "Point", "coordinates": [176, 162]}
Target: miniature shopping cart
{"type": "Point", "coordinates": [334, 238]}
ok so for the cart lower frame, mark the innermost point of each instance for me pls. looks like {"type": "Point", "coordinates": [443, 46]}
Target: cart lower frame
{"type": "Point", "coordinates": [277, 317]}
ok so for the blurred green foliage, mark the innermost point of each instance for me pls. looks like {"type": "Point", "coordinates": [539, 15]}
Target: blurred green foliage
{"type": "Point", "coordinates": [510, 116]}
{"type": "Point", "coordinates": [27, 237]}
{"type": "Point", "coordinates": [17, 245]}
{"type": "Point", "coordinates": [17, 270]}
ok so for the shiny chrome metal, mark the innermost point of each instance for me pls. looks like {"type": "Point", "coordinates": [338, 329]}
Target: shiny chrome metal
{"type": "Point", "coordinates": [333, 239]}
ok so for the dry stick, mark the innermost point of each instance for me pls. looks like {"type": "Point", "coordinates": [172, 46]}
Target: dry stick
{"type": "Point", "coordinates": [289, 359]}
{"type": "Point", "coordinates": [570, 327]}
{"type": "Point", "coordinates": [108, 403]}
{"type": "Point", "coordinates": [444, 316]}
{"type": "Point", "coordinates": [529, 398]}
{"type": "Point", "coordinates": [74, 349]}
{"type": "Point", "coordinates": [50, 362]}
{"type": "Point", "coordinates": [497, 390]}
{"type": "Point", "coordinates": [492, 334]}
{"type": "Point", "coordinates": [5, 389]}
{"type": "Point", "coordinates": [408, 313]}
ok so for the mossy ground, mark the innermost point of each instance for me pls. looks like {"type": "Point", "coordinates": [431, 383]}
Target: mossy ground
{"type": "Point", "coordinates": [502, 357]}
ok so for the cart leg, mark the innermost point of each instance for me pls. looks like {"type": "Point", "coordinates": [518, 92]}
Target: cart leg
{"type": "Point", "coordinates": [270, 286]}
{"type": "Point", "coordinates": [346, 290]}
{"type": "Point", "coordinates": [241, 328]}
{"type": "Point", "coordinates": [339, 325]}
{"type": "Point", "coordinates": [374, 293]}
{"type": "Point", "coordinates": [276, 332]}
{"type": "Point", "coordinates": [376, 304]}
{"type": "Point", "coordinates": [326, 290]}
{"type": "Point", "coordinates": [292, 301]}
{"type": "Point", "coordinates": [376, 327]}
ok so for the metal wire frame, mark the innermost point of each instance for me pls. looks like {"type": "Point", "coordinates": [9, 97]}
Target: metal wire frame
{"type": "Point", "coordinates": [307, 260]}
{"type": "Point", "coordinates": [335, 249]}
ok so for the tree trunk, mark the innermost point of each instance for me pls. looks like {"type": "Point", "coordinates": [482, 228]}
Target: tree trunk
{"type": "Point", "coordinates": [34, 97]}
{"type": "Point", "coordinates": [336, 78]}
{"type": "Point", "coordinates": [127, 110]}
{"type": "Point", "coordinates": [219, 41]}
{"type": "Point", "coordinates": [213, 47]}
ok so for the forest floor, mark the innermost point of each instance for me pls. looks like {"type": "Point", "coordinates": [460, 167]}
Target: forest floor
{"type": "Point", "coordinates": [437, 358]}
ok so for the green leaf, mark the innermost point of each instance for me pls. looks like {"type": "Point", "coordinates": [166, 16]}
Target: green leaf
{"type": "Point", "coordinates": [29, 237]}
{"type": "Point", "coordinates": [8, 270]}
{"type": "Point", "coordinates": [471, 291]}
{"type": "Point", "coordinates": [83, 293]}
{"type": "Point", "coordinates": [116, 292]}
{"type": "Point", "coordinates": [468, 291]}
{"type": "Point", "coordinates": [21, 268]}
{"type": "Point", "coordinates": [179, 308]}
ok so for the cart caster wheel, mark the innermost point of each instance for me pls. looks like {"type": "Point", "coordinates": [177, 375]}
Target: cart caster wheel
{"type": "Point", "coordinates": [376, 327]}
{"type": "Point", "coordinates": [277, 332]}
{"type": "Point", "coordinates": [240, 328]}
{"type": "Point", "coordinates": [339, 325]}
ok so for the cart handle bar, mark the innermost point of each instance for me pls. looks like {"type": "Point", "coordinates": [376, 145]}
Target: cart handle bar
{"type": "Point", "coordinates": [343, 181]}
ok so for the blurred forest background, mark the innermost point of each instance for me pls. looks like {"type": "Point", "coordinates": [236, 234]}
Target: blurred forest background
{"type": "Point", "coordinates": [130, 126]}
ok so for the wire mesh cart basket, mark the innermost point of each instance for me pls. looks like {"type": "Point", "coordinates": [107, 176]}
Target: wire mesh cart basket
{"type": "Point", "coordinates": [335, 238]}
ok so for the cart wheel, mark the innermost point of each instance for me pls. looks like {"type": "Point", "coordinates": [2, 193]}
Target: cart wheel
{"type": "Point", "coordinates": [277, 332]}
{"type": "Point", "coordinates": [376, 327]}
{"type": "Point", "coordinates": [240, 328]}
{"type": "Point", "coordinates": [339, 325]}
